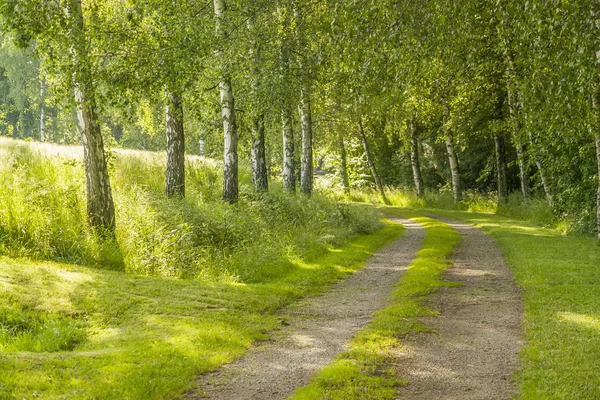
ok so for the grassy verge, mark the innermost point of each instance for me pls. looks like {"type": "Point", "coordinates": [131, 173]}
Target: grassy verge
{"type": "Point", "coordinates": [68, 331]}
{"type": "Point", "coordinates": [560, 278]}
{"type": "Point", "coordinates": [43, 217]}
{"type": "Point", "coordinates": [365, 371]}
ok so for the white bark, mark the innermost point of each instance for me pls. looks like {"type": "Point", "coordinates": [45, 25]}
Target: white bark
{"type": "Point", "coordinates": [43, 108]}
{"type": "Point", "coordinates": [306, 176]}
{"type": "Point", "coordinates": [289, 178]}
{"type": "Point", "coordinates": [454, 170]}
{"type": "Point", "coordinates": [230, 154]}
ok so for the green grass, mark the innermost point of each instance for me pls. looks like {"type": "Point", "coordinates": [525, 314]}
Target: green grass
{"type": "Point", "coordinates": [560, 279]}
{"type": "Point", "coordinates": [68, 331]}
{"type": "Point", "coordinates": [42, 216]}
{"type": "Point", "coordinates": [366, 370]}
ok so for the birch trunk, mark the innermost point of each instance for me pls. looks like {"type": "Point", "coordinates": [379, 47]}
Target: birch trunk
{"type": "Point", "coordinates": [598, 195]}
{"type": "Point", "coordinates": [523, 168]}
{"type": "Point", "coordinates": [202, 145]}
{"type": "Point", "coordinates": [259, 160]}
{"type": "Point", "coordinates": [414, 158]}
{"type": "Point", "coordinates": [100, 206]}
{"type": "Point", "coordinates": [175, 183]}
{"type": "Point", "coordinates": [501, 168]}
{"type": "Point", "coordinates": [258, 155]}
{"type": "Point", "coordinates": [513, 109]}
{"type": "Point", "coordinates": [230, 141]}
{"type": "Point", "coordinates": [306, 175]}
{"type": "Point", "coordinates": [542, 171]}
{"type": "Point", "coordinates": [597, 137]}
{"type": "Point", "coordinates": [43, 108]}
{"type": "Point", "coordinates": [344, 165]}
{"type": "Point", "coordinates": [454, 170]}
{"type": "Point", "coordinates": [230, 154]}
{"type": "Point", "coordinates": [370, 161]}
{"type": "Point", "coordinates": [289, 178]}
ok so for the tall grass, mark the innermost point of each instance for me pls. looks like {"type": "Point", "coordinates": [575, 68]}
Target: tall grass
{"type": "Point", "coordinates": [42, 216]}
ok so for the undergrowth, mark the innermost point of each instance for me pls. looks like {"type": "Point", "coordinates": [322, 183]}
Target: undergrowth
{"type": "Point", "coordinates": [42, 216]}
{"type": "Point", "coordinates": [366, 370]}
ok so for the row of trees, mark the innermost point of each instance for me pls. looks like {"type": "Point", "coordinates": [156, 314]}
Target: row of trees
{"type": "Point", "coordinates": [466, 94]}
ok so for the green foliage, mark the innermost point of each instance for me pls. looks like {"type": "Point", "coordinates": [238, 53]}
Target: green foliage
{"type": "Point", "coordinates": [365, 371]}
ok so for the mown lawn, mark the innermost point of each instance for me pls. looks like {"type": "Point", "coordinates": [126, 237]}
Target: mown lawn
{"type": "Point", "coordinates": [560, 279]}
{"type": "Point", "coordinates": [75, 332]}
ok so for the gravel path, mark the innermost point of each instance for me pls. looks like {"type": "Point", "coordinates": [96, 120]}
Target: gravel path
{"type": "Point", "coordinates": [474, 353]}
{"type": "Point", "coordinates": [318, 330]}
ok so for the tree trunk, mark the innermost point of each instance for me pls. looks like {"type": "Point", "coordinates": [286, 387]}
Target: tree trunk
{"type": "Point", "coordinates": [175, 184]}
{"type": "Point", "coordinates": [454, 170]}
{"type": "Point", "coordinates": [598, 196]}
{"type": "Point", "coordinates": [513, 109]}
{"type": "Point", "coordinates": [289, 178]}
{"type": "Point", "coordinates": [523, 170]}
{"type": "Point", "coordinates": [501, 169]}
{"type": "Point", "coordinates": [306, 175]}
{"type": "Point", "coordinates": [230, 154]}
{"type": "Point", "coordinates": [414, 158]}
{"type": "Point", "coordinates": [597, 137]}
{"type": "Point", "coordinates": [370, 161]}
{"type": "Point", "coordinates": [100, 206]}
{"type": "Point", "coordinates": [259, 160]}
{"type": "Point", "coordinates": [344, 165]}
{"type": "Point", "coordinates": [43, 108]}
{"type": "Point", "coordinates": [202, 145]}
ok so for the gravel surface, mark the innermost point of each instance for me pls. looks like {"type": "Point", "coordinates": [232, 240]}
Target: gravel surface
{"type": "Point", "coordinates": [318, 330]}
{"type": "Point", "coordinates": [474, 352]}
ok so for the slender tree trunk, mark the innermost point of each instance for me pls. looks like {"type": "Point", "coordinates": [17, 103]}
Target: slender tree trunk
{"type": "Point", "coordinates": [513, 109]}
{"type": "Point", "coordinates": [523, 170]}
{"type": "Point", "coordinates": [370, 161]}
{"type": "Point", "coordinates": [259, 160]}
{"type": "Point", "coordinates": [43, 108]}
{"type": "Point", "coordinates": [230, 154]}
{"type": "Point", "coordinates": [343, 165]}
{"type": "Point", "coordinates": [306, 167]}
{"type": "Point", "coordinates": [289, 177]}
{"type": "Point", "coordinates": [202, 145]}
{"type": "Point", "coordinates": [175, 184]}
{"type": "Point", "coordinates": [597, 137]}
{"type": "Point", "coordinates": [598, 195]}
{"type": "Point", "coordinates": [306, 175]}
{"type": "Point", "coordinates": [414, 157]}
{"type": "Point", "coordinates": [454, 170]}
{"type": "Point", "coordinates": [542, 171]}
{"type": "Point", "coordinates": [100, 206]}
{"type": "Point", "coordinates": [501, 169]}
{"type": "Point", "coordinates": [545, 182]}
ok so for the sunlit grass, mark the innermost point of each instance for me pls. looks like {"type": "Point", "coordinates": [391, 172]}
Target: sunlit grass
{"type": "Point", "coordinates": [366, 370]}
{"type": "Point", "coordinates": [560, 278]}
{"type": "Point", "coordinates": [141, 337]}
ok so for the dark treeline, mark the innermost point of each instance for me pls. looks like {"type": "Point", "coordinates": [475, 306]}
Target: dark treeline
{"type": "Point", "coordinates": [466, 95]}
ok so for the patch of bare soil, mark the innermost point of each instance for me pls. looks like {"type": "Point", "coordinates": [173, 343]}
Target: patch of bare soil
{"type": "Point", "coordinates": [318, 330]}
{"type": "Point", "coordinates": [474, 352]}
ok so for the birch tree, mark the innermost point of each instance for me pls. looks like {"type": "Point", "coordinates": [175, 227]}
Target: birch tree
{"type": "Point", "coordinates": [230, 142]}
